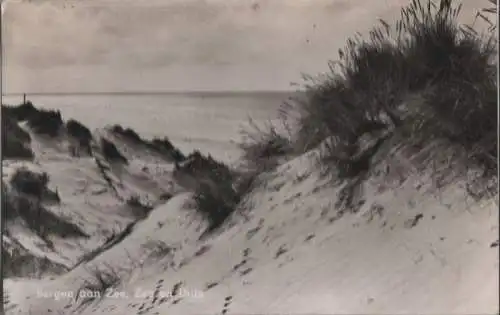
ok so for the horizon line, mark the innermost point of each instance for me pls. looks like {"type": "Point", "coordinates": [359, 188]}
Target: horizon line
{"type": "Point", "coordinates": [142, 92]}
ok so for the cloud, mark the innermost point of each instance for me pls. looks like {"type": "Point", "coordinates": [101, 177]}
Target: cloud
{"type": "Point", "coordinates": [181, 43]}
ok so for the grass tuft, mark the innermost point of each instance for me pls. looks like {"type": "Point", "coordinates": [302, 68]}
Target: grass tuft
{"type": "Point", "coordinates": [425, 79]}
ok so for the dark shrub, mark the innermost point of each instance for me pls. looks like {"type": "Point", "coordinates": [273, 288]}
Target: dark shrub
{"type": "Point", "coordinates": [12, 128]}
{"type": "Point", "coordinates": [127, 133]}
{"type": "Point", "coordinates": [46, 122]}
{"type": "Point", "coordinates": [36, 216]}
{"type": "Point", "coordinates": [216, 201]}
{"type": "Point", "coordinates": [21, 263]}
{"type": "Point", "coordinates": [164, 146]}
{"type": "Point", "coordinates": [28, 182]}
{"type": "Point", "coordinates": [78, 131]}
{"type": "Point", "coordinates": [13, 148]}
{"type": "Point", "coordinates": [139, 209]}
{"type": "Point", "coordinates": [215, 195]}
{"type": "Point", "coordinates": [21, 112]}
{"type": "Point", "coordinates": [198, 165]}
{"type": "Point", "coordinates": [111, 153]}
{"type": "Point", "coordinates": [262, 148]}
{"type": "Point", "coordinates": [15, 141]}
{"type": "Point", "coordinates": [430, 80]}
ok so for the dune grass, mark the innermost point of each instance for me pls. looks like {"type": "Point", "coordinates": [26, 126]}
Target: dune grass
{"type": "Point", "coordinates": [26, 199]}
{"type": "Point", "coordinates": [81, 133]}
{"type": "Point", "coordinates": [15, 141]}
{"type": "Point", "coordinates": [111, 152]}
{"type": "Point", "coordinates": [160, 145]}
{"type": "Point", "coordinates": [424, 80]}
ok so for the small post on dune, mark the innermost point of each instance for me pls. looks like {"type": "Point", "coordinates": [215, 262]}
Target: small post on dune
{"type": "Point", "coordinates": [24, 98]}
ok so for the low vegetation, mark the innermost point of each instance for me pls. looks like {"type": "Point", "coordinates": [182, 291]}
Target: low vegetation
{"type": "Point", "coordinates": [81, 133]}
{"type": "Point", "coordinates": [46, 122]}
{"type": "Point", "coordinates": [15, 141]}
{"type": "Point", "coordinates": [29, 182]}
{"type": "Point", "coordinates": [165, 147]}
{"type": "Point", "coordinates": [111, 152]}
{"type": "Point", "coordinates": [160, 145]}
{"type": "Point", "coordinates": [103, 280]}
{"type": "Point", "coordinates": [41, 121]}
{"type": "Point", "coordinates": [263, 147]}
{"type": "Point", "coordinates": [19, 262]}
{"type": "Point", "coordinates": [127, 133]}
{"type": "Point", "coordinates": [22, 112]}
{"type": "Point", "coordinates": [426, 81]}
{"type": "Point", "coordinates": [139, 209]}
{"type": "Point", "coordinates": [22, 200]}
{"type": "Point", "coordinates": [212, 182]}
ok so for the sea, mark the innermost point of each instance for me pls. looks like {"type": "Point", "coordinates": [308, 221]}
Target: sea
{"type": "Point", "coordinates": [207, 121]}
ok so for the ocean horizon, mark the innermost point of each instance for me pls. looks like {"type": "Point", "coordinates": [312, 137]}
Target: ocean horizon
{"type": "Point", "coordinates": [209, 121]}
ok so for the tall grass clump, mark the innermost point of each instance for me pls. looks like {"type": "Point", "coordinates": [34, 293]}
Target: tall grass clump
{"type": "Point", "coordinates": [15, 141]}
{"type": "Point", "coordinates": [160, 145]}
{"type": "Point", "coordinates": [212, 182]}
{"type": "Point", "coordinates": [111, 152]}
{"type": "Point", "coordinates": [426, 79]}
{"type": "Point", "coordinates": [41, 121]}
{"type": "Point", "coordinates": [81, 133]}
{"type": "Point", "coordinates": [46, 122]}
{"type": "Point", "coordinates": [263, 147]}
{"type": "Point", "coordinates": [26, 198]}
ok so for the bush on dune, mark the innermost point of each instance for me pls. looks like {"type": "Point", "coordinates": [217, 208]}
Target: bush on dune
{"type": "Point", "coordinates": [127, 133]}
{"type": "Point", "coordinates": [80, 132]}
{"type": "Point", "coordinates": [216, 200]}
{"type": "Point", "coordinates": [28, 182]}
{"type": "Point", "coordinates": [10, 125]}
{"type": "Point", "coordinates": [15, 141]}
{"type": "Point", "coordinates": [111, 152]}
{"type": "Point", "coordinates": [33, 184]}
{"type": "Point", "coordinates": [199, 165]}
{"type": "Point", "coordinates": [215, 195]}
{"type": "Point", "coordinates": [21, 112]}
{"type": "Point", "coordinates": [46, 122]}
{"type": "Point", "coordinates": [163, 146]}
{"type": "Point", "coordinates": [14, 148]}
{"type": "Point", "coordinates": [24, 200]}
{"type": "Point", "coordinates": [166, 147]}
{"type": "Point", "coordinates": [262, 147]}
{"type": "Point", "coordinates": [139, 209]}
{"type": "Point", "coordinates": [429, 79]}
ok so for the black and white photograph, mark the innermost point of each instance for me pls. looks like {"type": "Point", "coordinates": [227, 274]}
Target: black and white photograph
{"type": "Point", "coordinates": [249, 157]}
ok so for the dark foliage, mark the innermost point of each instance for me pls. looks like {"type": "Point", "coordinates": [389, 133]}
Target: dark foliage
{"type": "Point", "coordinates": [139, 209]}
{"type": "Point", "coordinates": [19, 262]}
{"type": "Point", "coordinates": [111, 153]}
{"type": "Point", "coordinates": [431, 79]}
{"type": "Point", "coordinates": [215, 195]}
{"type": "Point", "coordinates": [80, 132]}
{"type": "Point", "coordinates": [127, 133]}
{"type": "Point", "coordinates": [263, 147]}
{"type": "Point", "coordinates": [28, 182]}
{"type": "Point", "coordinates": [15, 141]}
{"type": "Point", "coordinates": [21, 112]}
{"type": "Point", "coordinates": [164, 146]}
{"type": "Point", "coordinates": [39, 219]}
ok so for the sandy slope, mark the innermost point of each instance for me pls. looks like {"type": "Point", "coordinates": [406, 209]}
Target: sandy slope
{"type": "Point", "coordinates": [87, 200]}
{"type": "Point", "coordinates": [292, 253]}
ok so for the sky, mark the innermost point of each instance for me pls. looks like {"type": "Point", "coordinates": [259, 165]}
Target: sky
{"type": "Point", "coordinates": [172, 45]}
